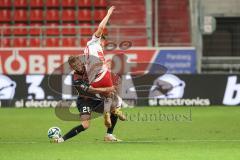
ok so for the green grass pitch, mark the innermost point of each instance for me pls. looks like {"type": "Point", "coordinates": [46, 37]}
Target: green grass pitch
{"type": "Point", "coordinates": [197, 133]}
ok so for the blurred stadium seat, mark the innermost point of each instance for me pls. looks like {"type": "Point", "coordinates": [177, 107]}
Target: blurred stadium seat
{"type": "Point", "coordinates": [5, 29]}
{"type": "Point", "coordinates": [69, 29]}
{"type": "Point", "coordinates": [84, 15]}
{"type": "Point", "coordinates": [5, 42]}
{"type": "Point", "coordinates": [69, 41]}
{"type": "Point", "coordinates": [47, 18]}
{"type": "Point", "coordinates": [85, 30]}
{"type": "Point", "coordinates": [20, 42]}
{"type": "Point", "coordinates": [5, 3]}
{"type": "Point", "coordinates": [20, 15]}
{"type": "Point", "coordinates": [20, 29]}
{"type": "Point", "coordinates": [52, 42]}
{"type": "Point", "coordinates": [84, 3]}
{"type": "Point", "coordinates": [99, 14]}
{"type": "Point", "coordinates": [52, 15]}
{"type": "Point", "coordinates": [35, 42]}
{"type": "Point", "coordinates": [5, 15]}
{"type": "Point", "coordinates": [171, 28]}
{"type": "Point", "coordinates": [68, 3]}
{"type": "Point", "coordinates": [53, 3]}
{"type": "Point", "coordinates": [52, 29]}
{"type": "Point", "coordinates": [35, 29]}
{"type": "Point", "coordinates": [100, 3]}
{"type": "Point", "coordinates": [36, 15]}
{"type": "Point", "coordinates": [68, 15]}
{"type": "Point", "coordinates": [83, 42]}
{"type": "Point", "coordinates": [36, 3]}
{"type": "Point", "coordinates": [20, 3]}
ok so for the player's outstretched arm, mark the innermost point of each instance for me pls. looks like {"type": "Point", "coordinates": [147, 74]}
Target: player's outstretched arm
{"type": "Point", "coordinates": [103, 23]}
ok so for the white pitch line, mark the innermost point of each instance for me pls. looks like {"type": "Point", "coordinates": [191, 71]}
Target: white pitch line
{"type": "Point", "coordinates": [159, 141]}
{"type": "Point", "coordinates": [22, 142]}
{"type": "Point", "coordinates": [185, 141]}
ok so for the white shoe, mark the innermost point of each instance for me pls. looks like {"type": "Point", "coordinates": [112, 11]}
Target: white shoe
{"type": "Point", "coordinates": [57, 140]}
{"type": "Point", "coordinates": [111, 138]}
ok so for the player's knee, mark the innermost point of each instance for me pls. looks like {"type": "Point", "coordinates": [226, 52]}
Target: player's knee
{"type": "Point", "coordinates": [86, 124]}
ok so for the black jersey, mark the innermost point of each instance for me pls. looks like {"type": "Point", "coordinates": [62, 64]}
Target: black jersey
{"type": "Point", "coordinates": [82, 77]}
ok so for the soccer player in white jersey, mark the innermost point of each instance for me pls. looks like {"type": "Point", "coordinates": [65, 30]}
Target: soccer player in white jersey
{"type": "Point", "coordinates": [96, 67]}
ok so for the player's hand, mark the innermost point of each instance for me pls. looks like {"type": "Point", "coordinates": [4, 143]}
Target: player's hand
{"type": "Point", "coordinates": [83, 85]}
{"type": "Point", "coordinates": [111, 9]}
{"type": "Point", "coordinates": [111, 89]}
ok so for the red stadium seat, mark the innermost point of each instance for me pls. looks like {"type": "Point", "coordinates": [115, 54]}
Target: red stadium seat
{"type": "Point", "coordinates": [52, 42]}
{"type": "Point", "coordinates": [99, 14]}
{"type": "Point", "coordinates": [35, 29]}
{"type": "Point", "coordinates": [95, 27]}
{"type": "Point", "coordinates": [20, 29]}
{"type": "Point", "coordinates": [5, 42]}
{"type": "Point", "coordinates": [36, 15]}
{"type": "Point", "coordinates": [69, 42]}
{"type": "Point", "coordinates": [53, 3]}
{"type": "Point", "coordinates": [83, 42]}
{"type": "Point", "coordinates": [69, 29]}
{"type": "Point", "coordinates": [35, 42]}
{"type": "Point", "coordinates": [52, 29]}
{"type": "Point", "coordinates": [52, 15]}
{"type": "Point", "coordinates": [68, 3]}
{"type": "Point", "coordinates": [5, 15]}
{"type": "Point", "coordinates": [5, 29]}
{"type": "Point", "coordinates": [100, 3]}
{"type": "Point", "coordinates": [20, 42]}
{"type": "Point", "coordinates": [20, 15]}
{"type": "Point", "coordinates": [84, 15]}
{"type": "Point", "coordinates": [5, 3]}
{"type": "Point", "coordinates": [68, 15]}
{"type": "Point", "coordinates": [84, 3]}
{"type": "Point", "coordinates": [85, 29]}
{"type": "Point", "coordinates": [36, 3]}
{"type": "Point", "coordinates": [20, 3]}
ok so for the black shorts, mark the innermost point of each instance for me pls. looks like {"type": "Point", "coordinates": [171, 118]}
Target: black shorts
{"type": "Point", "coordinates": [86, 106]}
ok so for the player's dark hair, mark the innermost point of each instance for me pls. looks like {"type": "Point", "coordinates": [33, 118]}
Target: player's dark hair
{"type": "Point", "coordinates": [72, 59]}
{"type": "Point", "coordinates": [103, 37]}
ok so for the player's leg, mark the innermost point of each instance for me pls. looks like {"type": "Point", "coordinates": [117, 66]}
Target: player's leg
{"type": "Point", "coordinates": [116, 106]}
{"type": "Point", "coordinates": [115, 114]}
{"type": "Point", "coordinates": [105, 80]}
{"type": "Point", "coordinates": [85, 115]}
{"type": "Point", "coordinates": [76, 130]}
{"type": "Point", "coordinates": [109, 135]}
{"type": "Point", "coordinates": [107, 114]}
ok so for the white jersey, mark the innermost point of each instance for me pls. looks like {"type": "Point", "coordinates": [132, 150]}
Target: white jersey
{"type": "Point", "coordinates": [94, 58]}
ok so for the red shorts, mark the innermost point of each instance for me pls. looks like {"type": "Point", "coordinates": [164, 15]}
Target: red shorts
{"type": "Point", "coordinates": [103, 80]}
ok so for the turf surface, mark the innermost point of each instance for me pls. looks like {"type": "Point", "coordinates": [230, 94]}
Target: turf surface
{"type": "Point", "coordinates": [199, 133]}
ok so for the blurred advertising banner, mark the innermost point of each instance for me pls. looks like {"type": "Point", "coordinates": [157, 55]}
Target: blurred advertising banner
{"type": "Point", "coordinates": [180, 61]}
{"type": "Point", "coordinates": [145, 90]}
{"type": "Point", "coordinates": [188, 90]}
{"type": "Point", "coordinates": [45, 61]}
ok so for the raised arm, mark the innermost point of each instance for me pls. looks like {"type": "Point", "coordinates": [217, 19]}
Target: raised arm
{"type": "Point", "coordinates": [103, 23]}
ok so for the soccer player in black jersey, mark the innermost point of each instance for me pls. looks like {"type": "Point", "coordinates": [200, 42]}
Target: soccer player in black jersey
{"type": "Point", "coordinates": [89, 102]}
